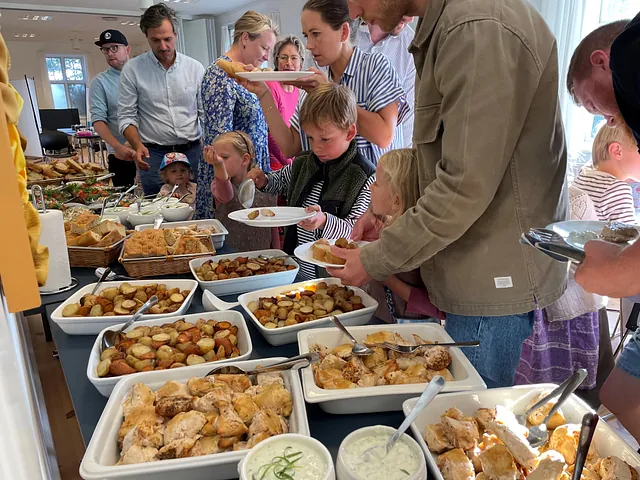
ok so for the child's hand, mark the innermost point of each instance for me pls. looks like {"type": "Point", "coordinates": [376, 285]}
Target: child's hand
{"type": "Point", "coordinates": [317, 221]}
{"type": "Point", "coordinates": [258, 177]}
{"type": "Point", "coordinates": [211, 156]}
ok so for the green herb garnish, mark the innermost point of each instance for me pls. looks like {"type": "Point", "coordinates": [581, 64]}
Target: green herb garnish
{"type": "Point", "coordinates": [405, 472]}
{"type": "Point", "coordinates": [282, 466]}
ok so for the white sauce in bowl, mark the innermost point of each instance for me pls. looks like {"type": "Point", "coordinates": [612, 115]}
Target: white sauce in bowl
{"type": "Point", "coordinates": [401, 463]}
{"type": "Point", "coordinates": [310, 466]}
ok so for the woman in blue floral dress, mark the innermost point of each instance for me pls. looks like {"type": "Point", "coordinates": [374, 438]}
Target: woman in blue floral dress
{"type": "Point", "coordinates": [229, 106]}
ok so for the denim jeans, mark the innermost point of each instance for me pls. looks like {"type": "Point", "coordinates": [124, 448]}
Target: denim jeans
{"type": "Point", "coordinates": [501, 338]}
{"type": "Point", "coordinates": [151, 179]}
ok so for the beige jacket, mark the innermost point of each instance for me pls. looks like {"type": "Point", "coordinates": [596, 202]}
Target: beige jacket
{"type": "Point", "coordinates": [489, 138]}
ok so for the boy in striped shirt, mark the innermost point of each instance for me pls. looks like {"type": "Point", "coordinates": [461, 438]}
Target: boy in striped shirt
{"type": "Point", "coordinates": [615, 159]}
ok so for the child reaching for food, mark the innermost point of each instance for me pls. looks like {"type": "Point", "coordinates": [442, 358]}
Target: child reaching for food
{"type": "Point", "coordinates": [175, 169]}
{"type": "Point", "coordinates": [331, 180]}
{"type": "Point", "coordinates": [402, 298]}
{"type": "Point", "coordinates": [232, 155]}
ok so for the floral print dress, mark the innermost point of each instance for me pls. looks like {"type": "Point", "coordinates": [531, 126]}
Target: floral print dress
{"type": "Point", "coordinates": [227, 106]}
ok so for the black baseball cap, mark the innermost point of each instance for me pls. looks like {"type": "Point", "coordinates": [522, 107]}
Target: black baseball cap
{"type": "Point", "coordinates": [112, 36]}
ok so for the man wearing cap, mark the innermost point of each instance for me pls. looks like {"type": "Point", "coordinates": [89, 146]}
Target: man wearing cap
{"type": "Point", "coordinates": [103, 105]}
{"type": "Point", "coordinates": [159, 102]}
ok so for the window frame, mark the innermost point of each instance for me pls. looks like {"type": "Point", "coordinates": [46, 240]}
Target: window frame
{"type": "Point", "coordinates": [67, 82]}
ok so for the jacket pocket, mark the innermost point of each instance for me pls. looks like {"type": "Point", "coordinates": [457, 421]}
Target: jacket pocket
{"type": "Point", "coordinates": [427, 124]}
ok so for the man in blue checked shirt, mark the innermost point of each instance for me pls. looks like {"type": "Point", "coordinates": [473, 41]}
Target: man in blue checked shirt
{"type": "Point", "coordinates": [103, 105]}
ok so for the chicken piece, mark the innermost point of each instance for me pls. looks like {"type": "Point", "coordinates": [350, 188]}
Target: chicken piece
{"type": "Point", "coordinates": [245, 407]}
{"type": "Point", "coordinates": [240, 446]}
{"type": "Point", "coordinates": [435, 438]}
{"type": "Point", "coordinates": [505, 416]}
{"type": "Point", "coordinates": [338, 384]}
{"type": "Point", "coordinates": [481, 476]}
{"type": "Point", "coordinates": [209, 429]}
{"type": "Point", "coordinates": [178, 448]}
{"type": "Point", "coordinates": [355, 369]}
{"type": "Point", "coordinates": [137, 416]}
{"type": "Point", "coordinates": [419, 371]}
{"type": "Point", "coordinates": [587, 473]}
{"type": "Point", "coordinates": [199, 387]}
{"type": "Point", "coordinates": [370, 380]}
{"type": "Point", "coordinates": [550, 466]}
{"type": "Point", "coordinates": [266, 379]}
{"type": "Point", "coordinates": [229, 443]}
{"type": "Point", "coordinates": [564, 440]}
{"type": "Point", "coordinates": [268, 421]}
{"type": "Point", "coordinates": [537, 416]}
{"type": "Point", "coordinates": [343, 351]}
{"type": "Point", "coordinates": [256, 439]}
{"type": "Point", "coordinates": [332, 361]}
{"type": "Point", "coordinates": [238, 383]}
{"type": "Point", "coordinates": [171, 406]}
{"type": "Point", "coordinates": [377, 358]}
{"type": "Point", "coordinates": [229, 423]}
{"type": "Point", "coordinates": [385, 369]}
{"type": "Point", "coordinates": [172, 388]}
{"type": "Point", "coordinates": [438, 358]}
{"type": "Point", "coordinates": [497, 463]}
{"type": "Point", "coordinates": [184, 425]}
{"type": "Point", "coordinates": [460, 433]}
{"type": "Point", "coordinates": [612, 468]}
{"type": "Point", "coordinates": [517, 444]}
{"type": "Point", "coordinates": [406, 361]}
{"type": "Point", "coordinates": [378, 338]}
{"type": "Point", "coordinates": [322, 376]}
{"type": "Point", "coordinates": [138, 454]}
{"type": "Point", "coordinates": [205, 446]}
{"type": "Point", "coordinates": [212, 402]}
{"type": "Point", "coordinates": [446, 374]}
{"type": "Point", "coordinates": [276, 397]}
{"type": "Point", "coordinates": [488, 440]}
{"type": "Point", "coordinates": [453, 412]}
{"type": "Point", "coordinates": [484, 416]}
{"type": "Point", "coordinates": [323, 350]}
{"type": "Point", "coordinates": [140, 396]}
{"type": "Point", "coordinates": [454, 465]}
{"type": "Point", "coordinates": [255, 390]}
{"type": "Point", "coordinates": [144, 434]}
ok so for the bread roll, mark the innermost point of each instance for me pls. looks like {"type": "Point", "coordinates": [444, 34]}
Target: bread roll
{"type": "Point", "coordinates": [231, 68]}
{"type": "Point", "coordinates": [88, 239]}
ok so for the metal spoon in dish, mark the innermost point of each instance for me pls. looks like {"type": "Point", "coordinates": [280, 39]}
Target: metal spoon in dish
{"type": "Point", "coordinates": [105, 274]}
{"type": "Point", "coordinates": [110, 337]}
{"type": "Point", "coordinates": [358, 349]}
{"type": "Point", "coordinates": [538, 435]}
{"type": "Point", "coordinates": [589, 425]}
{"type": "Point", "coordinates": [294, 363]}
{"type": "Point", "coordinates": [157, 222]}
{"type": "Point", "coordinates": [267, 258]}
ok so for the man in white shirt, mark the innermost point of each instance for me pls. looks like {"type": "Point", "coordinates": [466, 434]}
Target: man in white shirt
{"type": "Point", "coordinates": [159, 103]}
{"type": "Point", "coordinates": [395, 45]}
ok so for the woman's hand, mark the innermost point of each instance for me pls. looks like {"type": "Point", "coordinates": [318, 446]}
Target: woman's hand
{"type": "Point", "coordinates": [367, 228]}
{"type": "Point", "coordinates": [309, 83]}
{"type": "Point", "coordinates": [211, 156]}
{"type": "Point", "coordinates": [258, 177]}
{"type": "Point", "coordinates": [317, 221]}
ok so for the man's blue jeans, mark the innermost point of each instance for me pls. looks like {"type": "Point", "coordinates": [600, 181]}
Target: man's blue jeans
{"type": "Point", "coordinates": [151, 179]}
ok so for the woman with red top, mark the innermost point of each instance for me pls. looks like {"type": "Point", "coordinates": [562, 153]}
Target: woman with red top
{"type": "Point", "coordinates": [288, 56]}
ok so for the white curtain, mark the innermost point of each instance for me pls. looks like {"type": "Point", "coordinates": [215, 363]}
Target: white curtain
{"type": "Point", "coordinates": [225, 40]}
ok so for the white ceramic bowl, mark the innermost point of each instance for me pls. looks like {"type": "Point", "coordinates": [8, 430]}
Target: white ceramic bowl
{"type": "Point", "coordinates": [384, 398]}
{"type": "Point", "coordinates": [145, 217]}
{"type": "Point", "coordinates": [344, 473]}
{"type": "Point", "coordinates": [245, 284]}
{"type": "Point", "coordinates": [606, 441]}
{"type": "Point", "coordinates": [121, 212]}
{"type": "Point", "coordinates": [214, 225]}
{"type": "Point", "coordinates": [99, 462]}
{"type": "Point", "coordinates": [105, 385]}
{"type": "Point", "coordinates": [284, 335]}
{"type": "Point", "coordinates": [177, 212]}
{"type": "Point", "coordinates": [94, 325]}
{"type": "Point", "coordinates": [292, 439]}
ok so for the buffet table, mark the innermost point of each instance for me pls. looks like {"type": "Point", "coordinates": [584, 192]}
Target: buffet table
{"type": "Point", "coordinates": [88, 403]}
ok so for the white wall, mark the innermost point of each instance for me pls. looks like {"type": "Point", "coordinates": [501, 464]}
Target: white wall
{"type": "Point", "coordinates": [196, 40]}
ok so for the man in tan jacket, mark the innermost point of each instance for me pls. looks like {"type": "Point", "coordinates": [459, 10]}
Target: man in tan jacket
{"type": "Point", "coordinates": [488, 134]}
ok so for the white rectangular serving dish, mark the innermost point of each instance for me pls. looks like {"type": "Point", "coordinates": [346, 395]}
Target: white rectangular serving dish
{"type": "Point", "coordinates": [284, 335]}
{"type": "Point", "coordinates": [606, 440]}
{"type": "Point", "coordinates": [384, 398]}
{"type": "Point", "coordinates": [105, 385]}
{"type": "Point", "coordinates": [217, 238]}
{"type": "Point", "coordinates": [94, 325]}
{"type": "Point", "coordinates": [245, 284]}
{"type": "Point", "coordinates": [102, 453]}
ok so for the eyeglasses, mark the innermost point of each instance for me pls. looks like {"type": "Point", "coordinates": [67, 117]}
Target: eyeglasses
{"type": "Point", "coordinates": [112, 49]}
{"type": "Point", "coordinates": [286, 58]}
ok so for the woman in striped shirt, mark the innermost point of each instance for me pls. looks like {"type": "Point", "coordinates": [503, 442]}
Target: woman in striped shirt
{"type": "Point", "coordinates": [379, 94]}
{"type": "Point", "coordinates": [332, 180]}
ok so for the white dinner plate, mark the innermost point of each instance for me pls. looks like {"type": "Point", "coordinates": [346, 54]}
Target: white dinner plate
{"type": "Point", "coordinates": [578, 232]}
{"type": "Point", "coordinates": [303, 252]}
{"type": "Point", "coordinates": [273, 76]}
{"type": "Point", "coordinates": [284, 216]}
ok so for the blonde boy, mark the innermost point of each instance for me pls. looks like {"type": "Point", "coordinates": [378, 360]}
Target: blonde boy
{"type": "Point", "coordinates": [332, 179]}
{"type": "Point", "coordinates": [615, 159]}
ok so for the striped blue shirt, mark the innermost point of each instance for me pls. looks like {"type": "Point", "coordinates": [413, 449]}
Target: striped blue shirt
{"type": "Point", "coordinates": [376, 86]}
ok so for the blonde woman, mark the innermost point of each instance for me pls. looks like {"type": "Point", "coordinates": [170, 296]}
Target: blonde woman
{"type": "Point", "coordinates": [228, 106]}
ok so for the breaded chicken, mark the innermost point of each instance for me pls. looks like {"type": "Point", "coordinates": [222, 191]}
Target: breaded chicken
{"type": "Point", "coordinates": [199, 387]}
{"type": "Point", "coordinates": [266, 379]}
{"type": "Point", "coordinates": [178, 448]}
{"type": "Point", "coordinates": [537, 416]}
{"type": "Point", "coordinates": [378, 357]}
{"type": "Point", "coordinates": [171, 406]}
{"type": "Point", "coordinates": [245, 407]}
{"type": "Point", "coordinates": [172, 388]}
{"type": "Point", "coordinates": [332, 361]}
{"type": "Point", "coordinates": [550, 467]}
{"type": "Point", "coordinates": [436, 439]}
{"type": "Point", "coordinates": [229, 423]}
{"type": "Point", "coordinates": [277, 398]}
{"type": "Point", "coordinates": [460, 433]}
{"type": "Point", "coordinates": [267, 421]}
{"type": "Point", "coordinates": [144, 434]}
{"type": "Point", "coordinates": [484, 416]}
{"type": "Point", "coordinates": [139, 454]}
{"type": "Point", "coordinates": [205, 446]}
{"type": "Point", "coordinates": [238, 383]}
{"type": "Point", "coordinates": [138, 415]}
{"type": "Point", "coordinates": [564, 440]}
{"type": "Point", "coordinates": [438, 358]}
{"type": "Point", "coordinates": [613, 468]}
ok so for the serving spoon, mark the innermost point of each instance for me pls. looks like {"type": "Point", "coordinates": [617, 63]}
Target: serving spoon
{"type": "Point", "coordinates": [214, 303]}
{"type": "Point", "coordinates": [293, 363]}
{"type": "Point", "coordinates": [589, 425]}
{"type": "Point", "coordinates": [110, 337]}
{"type": "Point", "coordinates": [358, 349]}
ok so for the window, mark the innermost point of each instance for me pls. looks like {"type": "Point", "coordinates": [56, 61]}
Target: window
{"type": "Point", "coordinates": [68, 80]}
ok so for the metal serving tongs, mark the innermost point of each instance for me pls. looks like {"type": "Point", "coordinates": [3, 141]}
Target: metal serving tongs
{"type": "Point", "coordinates": [554, 247]}
{"type": "Point", "coordinates": [38, 196]}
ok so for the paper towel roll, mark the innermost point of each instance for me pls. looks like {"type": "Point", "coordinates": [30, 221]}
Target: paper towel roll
{"type": "Point", "coordinates": [53, 238]}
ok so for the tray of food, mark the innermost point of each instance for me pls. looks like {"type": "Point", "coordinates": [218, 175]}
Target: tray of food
{"type": "Point", "coordinates": [211, 227]}
{"type": "Point", "coordinates": [62, 170]}
{"type": "Point", "coordinates": [116, 302]}
{"type": "Point", "coordinates": [178, 424]}
{"type": "Point", "coordinates": [86, 193]}
{"type": "Point", "coordinates": [244, 272]}
{"type": "Point", "coordinates": [93, 243]}
{"type": "Point", "coordinates": [178, 342]}
{"type": "Point", "coordinates": [476, 433]}
{"type": "Point", "coordinates": [343, 383]}
{"type": "Point", "coordinates": [279, 313]}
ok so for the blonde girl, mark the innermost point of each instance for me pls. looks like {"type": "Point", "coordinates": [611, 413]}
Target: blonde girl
{"type": "Point", "coordinates": [395, 190]}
